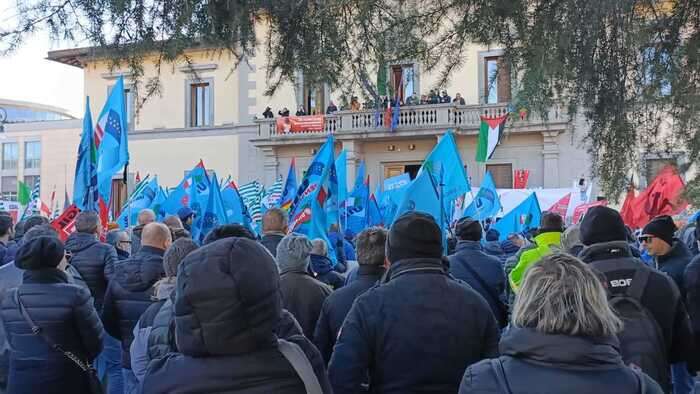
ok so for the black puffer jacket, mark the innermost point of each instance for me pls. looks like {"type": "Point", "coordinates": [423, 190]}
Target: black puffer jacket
{"type": "Point", "coordinates": [271, 240]}
{"type": "Point", "coordinates": [65, 313]}
{"type": "Point", "coordinates": [535, 363]}
{"type": "Point", "coordinates": [130, 294]}
{"type": "Point", "coordinates": [94, 260]}
{"type": "Point", "coordinates": [227, 312]}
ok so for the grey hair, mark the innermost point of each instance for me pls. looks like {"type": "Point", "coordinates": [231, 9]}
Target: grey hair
{"type": "Point", "coordinates": [371, 244]}
{"type": "Point", "coordinates": [319, 247]}
{"type": "Point", "coordinates": [87, 222]}
{"type": "Point", "coordinates": [562, 295]}
{"type": "Point", "coordinates": [113, 237]}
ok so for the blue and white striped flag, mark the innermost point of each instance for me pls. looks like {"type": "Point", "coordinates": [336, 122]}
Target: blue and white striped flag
{"type": "Point", "coordinates": [274, 193]}
{"type": "Point", "coordinates": [252, 194]}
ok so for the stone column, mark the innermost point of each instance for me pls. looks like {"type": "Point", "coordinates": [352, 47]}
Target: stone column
{"type": "Point", "coordinates": [550, 156]}
{"type": "Point", "coordinates": [270, 164]}
{"type": "Point", "coordinates": [354, 157]}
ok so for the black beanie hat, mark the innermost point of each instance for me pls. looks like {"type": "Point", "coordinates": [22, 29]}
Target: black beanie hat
{"type": "Point", "coordinates": [661, 227]}
{"type": "Point", "coordinates": [468, 229]}
{"type": "Point", "coordinates": [414, 235]}
{"type": "Point", "coordinates": [40, 252]}
{"type": "Point", "coordinates": [602, 224]}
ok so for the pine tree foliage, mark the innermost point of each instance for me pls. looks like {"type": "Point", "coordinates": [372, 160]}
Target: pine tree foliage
{"type": "Point", "coordinates": [630, 67]}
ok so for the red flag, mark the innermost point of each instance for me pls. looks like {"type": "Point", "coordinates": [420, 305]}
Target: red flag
{"type": "Point", "coordinates": [65, 224]}
{"type": "Point", "coordinates": [138, 177]}
{"type": "Point", "coordinates": [626, 212]}
{"type": "Point", "coordinates": [583, 208]}
{"type": "Point", "coordinates": [44, 209]}
{"type": "Point", "coordinates": [520, 178]}
{"type": "Point", "coordinates": [562, 206]}
{"type": "Point", "coordinates": [662, 197]}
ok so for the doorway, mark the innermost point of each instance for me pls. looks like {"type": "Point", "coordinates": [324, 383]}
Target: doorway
{"type": "Point", "coordinates": [392, 170]}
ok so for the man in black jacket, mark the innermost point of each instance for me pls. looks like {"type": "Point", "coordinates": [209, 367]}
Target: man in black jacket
{"type": "Point", "coordinates": [95, 262]}
{"type": "Point", "coordinates": [145, 216]}
{"type": "Point", "coordinates": [132, 292]}
{"type": "Point", "coordinates": [420, 328]}
{"type": "Point", "coordinates": [370, 256]}
{"type": "Point", "coordinates": [606, 248]}
{"type": "Point", "coordinates": [274, 225]}
{"type": "Point", "coordinates": [8, 247]}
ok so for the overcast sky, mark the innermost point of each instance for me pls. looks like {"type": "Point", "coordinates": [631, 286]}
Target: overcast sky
{"type": "Point", "coordinates": [26, 75]}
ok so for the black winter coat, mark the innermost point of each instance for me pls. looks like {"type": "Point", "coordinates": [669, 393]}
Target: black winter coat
{"type": "Point", "coordinates": [661, 297]}
{"type": "Point", "coordinates": [66, 314]}
{"type": "Point", "coordinates": [691, 279]}
{"type": "Point", "coordinates": [303, 297]}
{"type": "Point", "coordinates": [337, 306]}
{"type": "Point", "coordinates": [322, 269]}
{"type": "Point", "coordinates": [10, 277]}
{"type": "Point", "coordinates": [416, 332]}
{"type": "Point", "coordinates": [94, 261]}
{"type": "Point", "coordinates": [130, 294]}
{"type": "Point", "coordinates": [535, 363]}
{"type": "Point", "coordinates": [227, 314]}
{"type": "Point", "coordinates": [270, 241]}
{"type": "Point", "coordinates": [489, 268]}
{"type": "Point", "coordinates": [675, 262]}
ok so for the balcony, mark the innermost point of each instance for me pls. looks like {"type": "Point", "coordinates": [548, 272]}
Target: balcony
{"type": "Point", "coordinates": [413, 121]}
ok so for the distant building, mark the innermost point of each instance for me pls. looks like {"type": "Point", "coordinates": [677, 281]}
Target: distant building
{"type": "Point", "coordinates": [37, 141]}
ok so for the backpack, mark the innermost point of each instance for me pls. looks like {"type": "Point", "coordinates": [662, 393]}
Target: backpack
{"type": "Point", "coordinates": [641, 341]}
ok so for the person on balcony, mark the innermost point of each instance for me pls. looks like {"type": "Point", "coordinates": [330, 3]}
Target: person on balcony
{"type": "Point", "coordinates": [459, 100]}
{"type": "Point", "coordinates": [423, 99]}
{"type": "Point", "coordinates": [354, 104]}
{"type": "Point", "coordinates": [433, 97]}
{"type": "Point", "coordinates": [300, 111]}
{"type": "Point", "coordinates": [445, 98]}
{"type": "Point", "coordinates": [268, 113]}
{"type": "Point", "coordinates": [331, 108]}
{"type": "Point", "coordinates": [413, 99]}
{"type": "Point", "coordinates": [284, 112]}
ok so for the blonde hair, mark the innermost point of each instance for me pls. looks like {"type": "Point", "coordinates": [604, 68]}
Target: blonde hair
{"type": "Point", "coordinates": [562, 295]}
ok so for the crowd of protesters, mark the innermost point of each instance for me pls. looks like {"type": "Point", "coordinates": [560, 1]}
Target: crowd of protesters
{"type": "Point", "coordinates": [433, 97]}
{"type": "Point", "coordinates": [557, 310]}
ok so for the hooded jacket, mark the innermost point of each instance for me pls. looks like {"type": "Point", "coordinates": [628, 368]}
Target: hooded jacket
{"type": "Point", "coordinates": [66, 314]}
{"type": "Point", "coordinates": [322, 269]}
{"type": "Point", "coordinates": [415, 332]}
{"type": "Point", "coordinates": [534, 362]}
{"type": "Point", "coordinates": [130, 294]}
{"type": "Point", "coordinates": [661, 297]}
{"type": "Point", "coordinates": [227, 313]}
{"type": "Point", "coordinates": [94, 260]}
{"type": "Point", "coordinates": [337, 306]}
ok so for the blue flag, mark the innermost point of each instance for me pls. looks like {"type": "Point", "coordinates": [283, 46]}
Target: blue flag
{"type": "Point", "coordinates": [421, 195]}
{"type": "Point", "coordinates": [445, 157]}
{"type": "Point", "coordinates": [214, 212]}
{"type": "Point", "coordinates": [394, 190]}
{"type": "Point", "coordinates": [157, 203]}
{"type": "Point", "coordinates": [332, 205]}
{"type": "Point", "coordinates": [85, 193]}
{"type": "Point", "coordinates": [395, 115]}
{"type": "Point", "coordinates": [356, 204]}
{"type": "Point", "coordinates": [290, 188]}
{"type": "Point", "coordinates": [341, 170]}
{"type": "Point", "coordinates": [374, 214]}
{"type": "Point", "coordinates": [198, 191]}
{"type": "Point", "coordinates": [233, 203]}
{"type": "Point", "coordinates": [140, 199]}
{"type": "Point", "coordinates": [486, 203]}
{"type": "Point", "coordinates": [522, 218]}
{"type": "Point", "coordinates": [309, 215]}
{"type": "Point", "coordinates": [111, 139]}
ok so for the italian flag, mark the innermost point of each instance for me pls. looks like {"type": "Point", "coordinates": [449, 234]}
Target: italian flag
{"type": "Point", "coordinates": [489, 136]}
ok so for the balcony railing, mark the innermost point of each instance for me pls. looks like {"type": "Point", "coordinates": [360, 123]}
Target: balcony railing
{"type": "Point", "coordinates": [411, 118]}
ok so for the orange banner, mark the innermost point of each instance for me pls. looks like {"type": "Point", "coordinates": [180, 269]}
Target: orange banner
{"type": "Point", "coordinates": [296, 124]}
